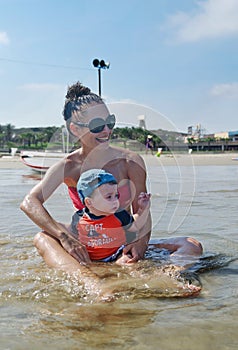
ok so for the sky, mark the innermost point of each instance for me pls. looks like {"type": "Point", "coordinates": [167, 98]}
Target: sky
{"type": "Point", "coordinates": [172, 62]}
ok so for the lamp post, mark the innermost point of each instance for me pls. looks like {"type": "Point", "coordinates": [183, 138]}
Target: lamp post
{"type": "Point", "coordinates": [100, 65]}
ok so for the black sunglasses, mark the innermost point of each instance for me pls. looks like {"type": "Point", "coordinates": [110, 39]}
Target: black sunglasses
{"type": "Point", "coordinates": [97, 125]}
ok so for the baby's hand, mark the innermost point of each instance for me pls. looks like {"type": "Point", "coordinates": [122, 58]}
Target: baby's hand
{"type": "Point", "coordinates": [144, 200]}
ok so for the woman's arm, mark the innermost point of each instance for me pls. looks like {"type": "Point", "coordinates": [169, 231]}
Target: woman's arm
{"type": "Point", "coordinates": [137, 176]}
{"type": "Point", "coordinates": [33, 207]}
{"type": "Point", "coordinates": [140, 217]}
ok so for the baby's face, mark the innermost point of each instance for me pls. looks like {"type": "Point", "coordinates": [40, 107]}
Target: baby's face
{"type": "Point", "coordinates": [106, 199]}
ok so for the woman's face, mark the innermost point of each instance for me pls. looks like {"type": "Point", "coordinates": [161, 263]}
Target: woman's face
{"type": "Point", "coordinates": [88, 138]}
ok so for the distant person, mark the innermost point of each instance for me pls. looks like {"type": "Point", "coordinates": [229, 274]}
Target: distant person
{"type": "Point", "coordinates": [149, 144]}
{"type": "Point", "coordinates": [89, 120]}
{"type": "Point", "coordinates": [102, 227]}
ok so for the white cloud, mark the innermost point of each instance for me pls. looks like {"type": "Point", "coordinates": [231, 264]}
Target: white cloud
{"type": "Point", "coordinates": [227, 90]}
{"type": "Point", "coordinates": [41, 87]}
{"type": "Point", "coordinates": [211, 19]}
{"type": "Point", "coordinates": [4, 38]}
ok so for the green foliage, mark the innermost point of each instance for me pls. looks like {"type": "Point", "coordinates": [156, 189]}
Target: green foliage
{"type": "Point", "coordinates": [26, 138]}
{"type": "Point", "coordinates": [134, 133]}
{"type": "Point", "coordinates": [51, 137]}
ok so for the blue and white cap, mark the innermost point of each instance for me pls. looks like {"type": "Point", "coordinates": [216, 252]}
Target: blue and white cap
{"type": "Point", "coordinates": [92, 179]}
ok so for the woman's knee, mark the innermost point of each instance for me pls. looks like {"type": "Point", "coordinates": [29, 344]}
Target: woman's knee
{"type": "Point", "coordinates": [53, 253]}
{"type": "Point", "coordinates": [189, 245]}
{"type": "Point", "coordinates": [196, 246]}
{"type": "Point", "coordinates": [37, 241]}
{"type": "Point", "coordinates": [43, 242]}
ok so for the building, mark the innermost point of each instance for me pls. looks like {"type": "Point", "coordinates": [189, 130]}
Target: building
{"type": "Point", "coordinates": [221, 135]}
{"type": "Point", "coordinates": [233, 135]}
{"type": "Point", "coordinates": [142, 122]}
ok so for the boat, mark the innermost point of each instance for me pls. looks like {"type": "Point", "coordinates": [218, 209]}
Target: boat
{"type": "Point", "coordinates": [40, 161]}
{"type": "Point", "coordinates": [235, 158]}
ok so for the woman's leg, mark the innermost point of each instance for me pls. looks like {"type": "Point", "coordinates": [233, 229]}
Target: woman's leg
{"type": "Point", "coordinates": [178, 246]}
{"type": "Point", "coordinates": [54, 254]}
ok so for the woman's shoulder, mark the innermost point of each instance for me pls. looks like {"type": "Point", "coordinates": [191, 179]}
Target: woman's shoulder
{"type": "Point", "coordinates": [73, 156]}
{"type": "Point", "coordinates": [73, 159]}
{"type": "Point", "coordinates": [130, 158]}
{"type": "Point", "coordinates": [67, 166]}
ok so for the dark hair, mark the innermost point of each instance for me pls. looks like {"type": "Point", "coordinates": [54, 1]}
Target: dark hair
{"type": "Point", "coordinates": [77, 97]}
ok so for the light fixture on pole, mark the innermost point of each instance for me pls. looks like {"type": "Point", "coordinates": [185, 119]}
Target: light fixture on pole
{"type": "Point", "coordinates": [100, 65]}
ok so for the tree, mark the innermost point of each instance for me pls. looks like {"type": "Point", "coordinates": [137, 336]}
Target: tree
{"type": "Point", "coordinates": [9, 132]}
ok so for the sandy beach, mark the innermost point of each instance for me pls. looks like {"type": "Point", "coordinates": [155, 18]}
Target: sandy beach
{"type": "Point", "coordinates": [176, 159]}
{"type": "Point", "coordinates": [198, 159]}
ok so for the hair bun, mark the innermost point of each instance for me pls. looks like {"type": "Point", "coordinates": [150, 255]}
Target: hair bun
{"type": "Point", "coordinates": [77, 90]}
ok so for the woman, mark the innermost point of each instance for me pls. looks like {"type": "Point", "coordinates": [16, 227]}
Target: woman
{"type": "Point", "coordinates": [88, 119]}
{"type": "Point", "coordinates": [149, 144]}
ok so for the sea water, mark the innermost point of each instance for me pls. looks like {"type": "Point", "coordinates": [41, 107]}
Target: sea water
{"type": "Point", "coordinates": [44, 308]}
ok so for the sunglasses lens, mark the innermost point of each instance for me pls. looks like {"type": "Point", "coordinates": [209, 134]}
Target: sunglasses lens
{"type": "Point", "coordinates": [111, 121]}
{"type": "Point", "coordinates": [98, 124]}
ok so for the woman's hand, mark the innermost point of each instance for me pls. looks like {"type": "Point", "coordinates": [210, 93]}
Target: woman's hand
{"type": "Point", "coordinates": [135, 250]}
{"type": "Point", "coordinates": [74, 248]}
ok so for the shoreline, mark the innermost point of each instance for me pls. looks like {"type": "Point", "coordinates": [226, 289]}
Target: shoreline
{"type": "Point", "coordinates": [175, 159]}
{"type": "Point", "coordinates": [194, 159]}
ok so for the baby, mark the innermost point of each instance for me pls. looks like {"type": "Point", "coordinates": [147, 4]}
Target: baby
{"type": "Point", "coordinates": [102, 226]}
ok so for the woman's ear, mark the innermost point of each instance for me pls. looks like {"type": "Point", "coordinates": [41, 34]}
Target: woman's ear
{"type": "Point", "coordinates": [74, 129]}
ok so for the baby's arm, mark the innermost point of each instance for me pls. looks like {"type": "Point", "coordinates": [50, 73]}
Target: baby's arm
{"type": "Point", "coordinates": [141, 215]}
